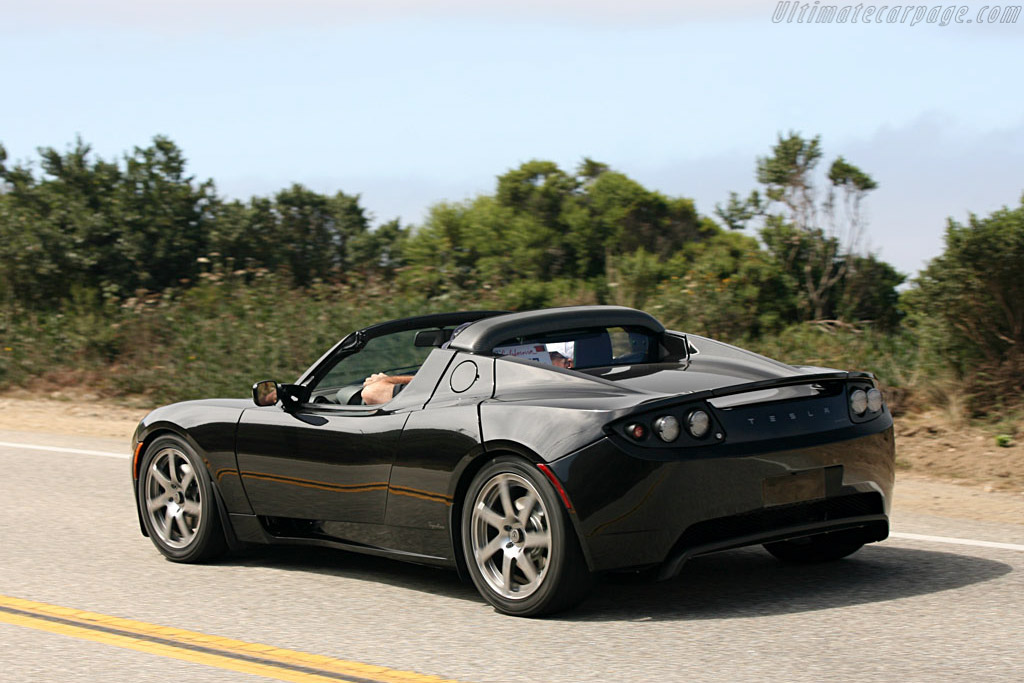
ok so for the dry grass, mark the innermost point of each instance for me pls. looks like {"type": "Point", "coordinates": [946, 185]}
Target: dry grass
{"type": "Point", "coordinates": [933, 444]}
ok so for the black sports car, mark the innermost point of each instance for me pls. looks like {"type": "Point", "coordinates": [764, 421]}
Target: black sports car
{"type": "Point", "coordinates": [529, 451]}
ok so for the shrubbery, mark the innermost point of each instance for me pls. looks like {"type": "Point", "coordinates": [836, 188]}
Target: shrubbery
{"type": "Point", "coordinates": [135, 278]}
{"type": "Point", "coordinates": [969, 306]}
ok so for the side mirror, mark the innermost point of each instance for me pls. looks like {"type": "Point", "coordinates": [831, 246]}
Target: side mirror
{"type": "Point", "coordinates": [293, 395]}
{"type": "Point", "coordinates": [265, 393]}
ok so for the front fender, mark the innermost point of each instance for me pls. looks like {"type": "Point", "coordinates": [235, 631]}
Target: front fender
{"type": "Point", "coordinates": [210, 428]}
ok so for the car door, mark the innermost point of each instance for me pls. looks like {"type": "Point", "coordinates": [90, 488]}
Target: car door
{"type": "Point", "coordinates": [329, 460]}
{"type": "Point", "coordinates": [318, 462]}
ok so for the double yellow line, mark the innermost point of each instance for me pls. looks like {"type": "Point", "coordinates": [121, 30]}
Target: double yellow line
{"type": "Point", "coordinates": [189, 646]}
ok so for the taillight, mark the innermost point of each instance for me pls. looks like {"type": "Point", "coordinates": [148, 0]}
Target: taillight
{"type": "Point", "coordinates": [667, 428]}
{"type": "Point", "coordinates": [698, 423]}
{"type": "Point", "coordinates": [637, 431]}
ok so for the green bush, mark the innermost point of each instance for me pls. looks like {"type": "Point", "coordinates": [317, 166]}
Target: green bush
{"type": "Point", "coordinates": [214, 339]}
{"type": "Point", "coordinates": [894, 358]}
{"type": "Point", "coordinates": [969, 303]}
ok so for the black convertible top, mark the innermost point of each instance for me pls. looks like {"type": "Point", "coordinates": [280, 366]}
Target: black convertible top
{"type": "Point", "coordinates": [483, 335]}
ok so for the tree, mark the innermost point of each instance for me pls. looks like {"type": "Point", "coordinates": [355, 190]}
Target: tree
{"type": "Point", "coordinates": [314, 232]}
{"type": "Point", "coordinates": [617, 216]}
{"type": "Point", "coordinates": [379, 251]}
{"type": "Point", "coordinates": [815, 238]}
{"type": "Point", "coordinates": [725, 287]}
{"type": "Point", "coordinates": [869, 292]}
{"type": "Point", "coordinates": [975, 290]}
{"type": "Point", "coordinates": [92, 224]}
{"type": "Point", "coordinates": [164, 217]}
{"type": "Point", "coordinates": [547, 226]}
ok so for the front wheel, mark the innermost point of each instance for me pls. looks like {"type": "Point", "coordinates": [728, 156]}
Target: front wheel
{"type": "Point", "coordinates": [177, 504]}
{"type": "Point", "coordinates": [521, 550]}
{"type": "Point", "coordinates": [819, 548]}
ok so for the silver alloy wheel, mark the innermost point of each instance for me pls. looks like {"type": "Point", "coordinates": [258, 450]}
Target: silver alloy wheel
{"type": "Point", "coordinates": [174, 498]}
{"type": "Point", "coordinates": [511, 536]}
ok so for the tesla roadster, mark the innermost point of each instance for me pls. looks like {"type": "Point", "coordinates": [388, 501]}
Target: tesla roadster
{"type": "Point", "coordinates": [528, 451]}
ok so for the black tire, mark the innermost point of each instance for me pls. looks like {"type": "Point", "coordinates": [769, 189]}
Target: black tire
{"type": "Point", "coordinates": [820, 548]}
{"type": "Point", "coordinates": [521, 550]}
{"type": "Point", "coordinates": [176, 499]}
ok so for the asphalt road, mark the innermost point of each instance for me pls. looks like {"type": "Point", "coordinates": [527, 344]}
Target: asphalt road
{"type": "Point", "coordinates": [907, 610]}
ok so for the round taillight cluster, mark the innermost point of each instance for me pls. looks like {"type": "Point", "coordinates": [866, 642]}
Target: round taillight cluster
{"type": "Point", "coordinates": [697, 422]}
{"type": "Point", "coordinates": [694, 422]}
{"type": "Point", "coordinates": [863, 402]}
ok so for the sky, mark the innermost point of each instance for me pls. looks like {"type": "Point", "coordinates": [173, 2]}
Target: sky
{"type": "Point", "coordinates": [408, 103]}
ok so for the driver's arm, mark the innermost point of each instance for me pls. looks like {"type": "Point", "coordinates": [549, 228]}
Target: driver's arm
{"type": "Point", "coordinates": [380, 388]}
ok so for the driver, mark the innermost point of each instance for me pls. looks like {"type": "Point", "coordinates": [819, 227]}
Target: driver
{"type": "Point", "coordinates": [380, 388]}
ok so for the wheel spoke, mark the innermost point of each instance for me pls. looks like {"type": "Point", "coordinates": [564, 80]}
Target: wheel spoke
{"type": "Point", "coordinates": [506, 499]}
{"type": "Point", "coordinates": [537, 539]}
{"type": "Point", "coordinates": [191, 507]}
{"type": "Point", "coordinates": [187, 479]}
{"type": "Point", "coordinates": [152, 504]}
{"type": "Point", "coordinates": [161, 479]}
{"type": "Point", "coordinates": [172, 469]}
{"type": "Point", "coordinates": [491, 517]}
{"type": "Point", "coordinates": [183, 528]}
{"type": "Point", "coordinates": [506, 573]}
{"type": "Point", "coordinates": [526, 565]}
{"type": "Point", "coordinates": [527, 501]}
{"type": "Point", "coordinates": [494, 546]}
{"type": "Point", "coordinates": [168, 526]}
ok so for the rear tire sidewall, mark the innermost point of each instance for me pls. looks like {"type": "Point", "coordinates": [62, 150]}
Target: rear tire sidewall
{"type": "Point", "coordinates": [208, 541]}
{"type": "Point", "coordinates": [557, 590]}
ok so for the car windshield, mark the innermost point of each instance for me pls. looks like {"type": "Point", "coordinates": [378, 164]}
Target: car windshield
{"type": "Point", "coordinates": [394, 354]}
{"type": "Point", "coordinates": [585, 348]}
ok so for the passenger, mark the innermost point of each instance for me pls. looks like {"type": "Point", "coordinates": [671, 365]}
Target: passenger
{"type": "Point", "coordinates": [560, 361]}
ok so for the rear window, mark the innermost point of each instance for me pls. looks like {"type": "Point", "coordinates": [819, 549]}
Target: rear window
{"type": "Point", "coordinates": [587, 348]}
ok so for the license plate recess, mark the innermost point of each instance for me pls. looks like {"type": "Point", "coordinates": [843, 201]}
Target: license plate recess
{"type": "Point", "coordinates": [794, 488]}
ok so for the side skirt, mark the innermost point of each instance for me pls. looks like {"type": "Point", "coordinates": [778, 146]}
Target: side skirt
{"type": "Point", "coordinates": [252, 529]}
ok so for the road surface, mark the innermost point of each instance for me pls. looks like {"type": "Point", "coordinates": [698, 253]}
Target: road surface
{"type": "Point", "coordinates": [943, 599]}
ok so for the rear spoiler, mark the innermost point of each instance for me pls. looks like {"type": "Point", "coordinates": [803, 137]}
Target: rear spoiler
{"type": "Point", "coordinates": [772, 383]}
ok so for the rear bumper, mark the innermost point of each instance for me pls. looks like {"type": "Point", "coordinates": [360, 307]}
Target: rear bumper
{"type": "Point", "coordinates": [630, 511]}
{"type": "Point", "coordinates": [779, 524]}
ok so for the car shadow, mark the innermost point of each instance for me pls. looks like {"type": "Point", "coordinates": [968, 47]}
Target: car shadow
{"type": "Point", "coordinates": [735, 584]}
{"type": "Point", "coordinates": [352, 565]}
{"type": "Point", "coordinates": [750, 582]}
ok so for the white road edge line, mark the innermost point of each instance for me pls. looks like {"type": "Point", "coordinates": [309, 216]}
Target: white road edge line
{"type": "Point", "coordinates": [956, 541]}
{"type": "Point", "coordinates": [58, 449]}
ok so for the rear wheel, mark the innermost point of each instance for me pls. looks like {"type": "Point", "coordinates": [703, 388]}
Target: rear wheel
{"type": "Point", "coordinates": [820, 548]}
{"type": "Point", "coordinates": [521, 550]}
{"type": "Point", "coordinates": [176, 499]}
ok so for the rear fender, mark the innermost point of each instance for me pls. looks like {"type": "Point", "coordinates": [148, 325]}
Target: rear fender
{"type": "Point", "coordinates": [494, 449]}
